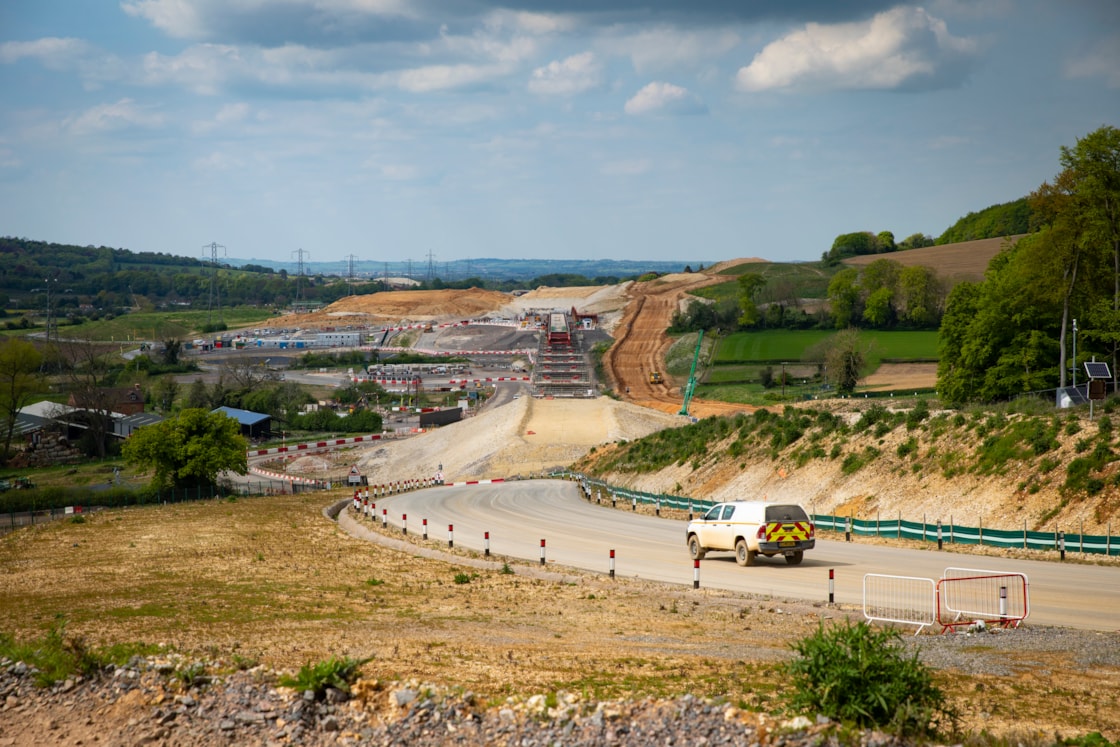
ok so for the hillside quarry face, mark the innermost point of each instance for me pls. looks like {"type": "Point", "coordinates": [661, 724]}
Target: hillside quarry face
{"type": "Point", "coordinates": [925, 474]}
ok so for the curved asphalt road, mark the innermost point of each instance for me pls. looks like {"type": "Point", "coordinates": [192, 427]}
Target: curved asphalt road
{"type": "Point", "coordinates": [580, 534]}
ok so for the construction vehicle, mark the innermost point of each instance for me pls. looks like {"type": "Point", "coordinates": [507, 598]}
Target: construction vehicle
{"type": "Point", "coordinates": [690, 387]}
{"type": "Point", "coordinates": [655, 377]}
{"type": "Point", "coordinates": [16, 483]}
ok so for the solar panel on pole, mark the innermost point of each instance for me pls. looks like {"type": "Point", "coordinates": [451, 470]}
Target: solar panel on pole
{"type": "Point", "coordinates": [1097, 370]}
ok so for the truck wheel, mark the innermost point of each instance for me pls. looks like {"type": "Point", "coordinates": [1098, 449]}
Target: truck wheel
{"type": "Point", "coordinates": [744, 556]}
{"type": "Point", "coordinates": [694, 550]}
{"type": "Point", "coordinates": [795, 558]}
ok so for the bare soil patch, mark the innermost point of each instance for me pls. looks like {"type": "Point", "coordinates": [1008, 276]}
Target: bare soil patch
{"type": "Point", "coordinates": [397, 306]}
{"type": "Point", "coordinates": [900, 377]}
{"type": "Point", "coordinates": [965, 260]}
{"type": "Point", "coordinates": [641, 343]}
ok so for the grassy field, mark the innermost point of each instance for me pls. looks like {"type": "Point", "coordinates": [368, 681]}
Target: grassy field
{"type": "Point", "coordinates": [790, 345]}
{"type": "Point", "coordinates": [783, 279]}
{"type": "Point", "coordinates": [162, 325]}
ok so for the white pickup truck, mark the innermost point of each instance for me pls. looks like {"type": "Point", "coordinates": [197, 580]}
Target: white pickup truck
{"type": "Point", "coordinates": [752, 527]}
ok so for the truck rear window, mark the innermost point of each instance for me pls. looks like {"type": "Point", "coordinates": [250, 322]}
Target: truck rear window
{"type": "Point", "coordinates": [785, 513]}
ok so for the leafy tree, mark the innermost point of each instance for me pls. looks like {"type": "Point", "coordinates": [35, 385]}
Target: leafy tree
{"type": "Point", "coordinates": [844, 297]}
{"type": "Point", "coordinates": [750, 284]}
{"type": "Point", "coordinates": [190, 449]}
{"type": "Point", "coordinates": [88, 371]}
{"type": "Point", "coordinates": [1095, 164]}
{"type": "Point", "coordinates": [915, 241]}
{"type": "Point", "coordinates": [852, 245]}
{"type": "Point", "coordinates": [19, 382]}
{"type": "Point", "coordinates": [886, 242]}
{"type": "Point", "coordinates": [1009, 219]}
{"type": "Point", "coordinates": [163, 393]}
{"type": "Point", "coordinates": [878, 310]}
{"type": "Point", "coordinates": [956, 379]}
{"type": "Point", "coordinates": [1009, 334]}
{"type": "Point", "coordinates": [197, 395]}
{"type": "Point", "coordinates": [844, 357]}
{"type": "Point", "coordinates": [997, 337]}
{"type": "Point", "coordinates": [172, 349]}
{"type": "Point", "coordinates": [921, 295]}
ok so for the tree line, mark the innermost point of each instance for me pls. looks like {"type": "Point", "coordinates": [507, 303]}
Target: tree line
{"type": "Point", "coordinates": [1054, 290]}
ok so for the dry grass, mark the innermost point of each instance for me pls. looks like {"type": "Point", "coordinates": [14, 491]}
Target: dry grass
{"type": "Point", "coordinates": [271, 580]}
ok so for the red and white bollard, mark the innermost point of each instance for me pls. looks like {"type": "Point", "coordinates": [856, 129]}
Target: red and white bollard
{"type": "Point", "coordinates": [542, 552]}
{"type": "Point", "coordinates": [486, 543]}
{"type": "Point", "coordinates": [404, 523]}
{"type": "Point", "coordinates": [696, 574]}
{"type": "Point", "coordinates": [612, 564]}
{"type": "Point", "coordinates": [831, 585]}
{"type": "Point", "coordinates": [451, 535]}
{"type": "Point", "coordinates": [425, 521]}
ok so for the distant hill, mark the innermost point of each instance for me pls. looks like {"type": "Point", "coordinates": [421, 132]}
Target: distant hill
{"type": "Point", "coordinates": [965, 260]}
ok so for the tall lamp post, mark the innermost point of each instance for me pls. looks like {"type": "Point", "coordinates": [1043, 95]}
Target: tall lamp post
{"type": "Point", "coordinates": [1074, 353]}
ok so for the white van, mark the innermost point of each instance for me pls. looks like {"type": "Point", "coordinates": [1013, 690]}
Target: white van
{"type": "Point", "coordinates": [751, 527]}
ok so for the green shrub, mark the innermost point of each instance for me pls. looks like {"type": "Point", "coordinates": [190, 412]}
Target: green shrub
{"type": "Point", "coordinates": [871, 416]}
{"type": "Point", "coordinates": [55, 656]}
{"type": "Point", "coordinates": [462, 578]}
{"type": "Point", "coordinates": [1079, 471]}
{"type": "Point", "coordinates": [335, 672]}
{"type": "Point", "coordinates": [855, 461]}
{"type": "Point", "coordinates": [858, 675]}
{"type": "Point", "coordinates": [907, 447]}
{"type": "Point", "coordinates": [917, 415]}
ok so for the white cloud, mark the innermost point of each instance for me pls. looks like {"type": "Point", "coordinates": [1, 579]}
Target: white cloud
{"type": "Point", "coordinates": [445, 77]}
{"type": "Point", "coordinates": [664, 98]}
{"type": "Point", "coordinates": [178, 18]}
{"type": "Point", "coordinates": [122, 114]}
{"type": "Point", "coordinates": [1102, 60]}
{"type": "Point", "coordinates": [903, 47]}
{"type": "Point", "coordinates": [668, 48]}
{"type": "Point", "coordinates": [198, 19]}
{"type": "Point", "coordinates": [573, 75]}
{"type": "Point", "coordinates": [204, 68]}
{"type": "Point", "coordinates": [538, 24]}
{"type": "Point", "coordinates": [52, 52]}
{"type": "Point", "coordinates": [230, 114]}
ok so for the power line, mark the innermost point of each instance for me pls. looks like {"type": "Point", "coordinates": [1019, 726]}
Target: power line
{"type": "Point", "coordinates": [350, 274]}
{"type": "Point", "coordinates": [215, 292]}
{"type": "Point", "coordinates": [299, 253]}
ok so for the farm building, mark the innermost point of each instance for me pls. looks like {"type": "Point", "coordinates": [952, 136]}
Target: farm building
{"type": "Point", "coordinates": [253, 424]}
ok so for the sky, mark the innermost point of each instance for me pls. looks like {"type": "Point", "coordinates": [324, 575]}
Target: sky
{"type": "Point", "coordinates": [388, 130]}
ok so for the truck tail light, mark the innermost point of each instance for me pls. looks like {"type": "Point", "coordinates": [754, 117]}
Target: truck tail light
{"type": "Point", "coordinates": [762, 531]}
{"type": "Point", "coordinates": [812, 530]}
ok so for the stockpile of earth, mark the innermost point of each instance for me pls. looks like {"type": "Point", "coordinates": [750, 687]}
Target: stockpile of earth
{"type": "Point", "coordinates": [522, 437]}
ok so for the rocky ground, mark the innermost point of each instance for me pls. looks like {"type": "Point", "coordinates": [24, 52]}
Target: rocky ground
{"type": "Point", "coordinates": [146, 702]}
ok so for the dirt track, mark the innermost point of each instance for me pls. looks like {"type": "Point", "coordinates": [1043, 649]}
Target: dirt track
{"type": "Point", "coordinates": [641, 344]}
